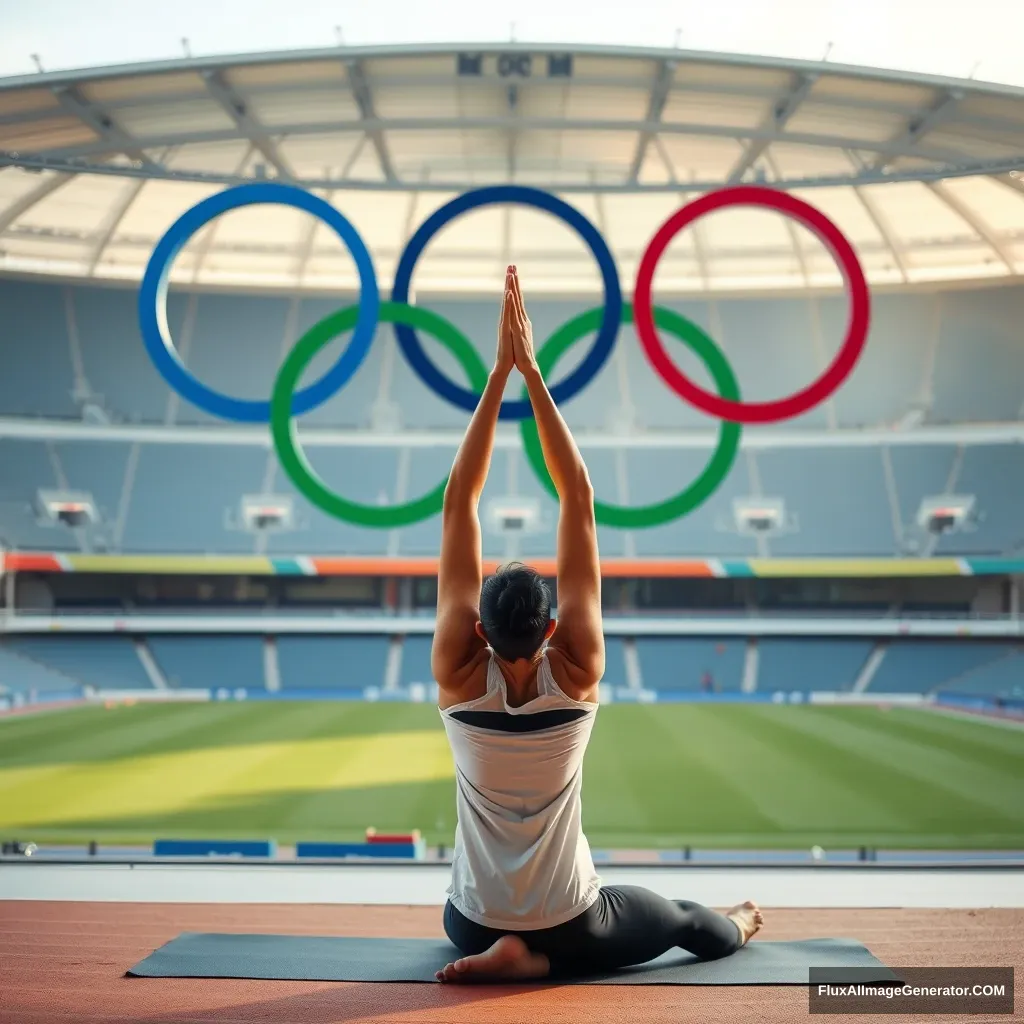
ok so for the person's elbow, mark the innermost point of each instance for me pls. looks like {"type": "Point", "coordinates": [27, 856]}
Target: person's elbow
{"type": "Point", "coordinates": [578, 489]}
{"type": "Point", "coordinates": [458, 495]}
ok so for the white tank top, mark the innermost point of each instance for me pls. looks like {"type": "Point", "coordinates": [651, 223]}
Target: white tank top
{"type": "Point", "coordinates": [521, 859]}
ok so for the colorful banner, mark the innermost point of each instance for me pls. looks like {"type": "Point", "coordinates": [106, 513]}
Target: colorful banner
{"type": "Point", "coordinates": [262, 565]}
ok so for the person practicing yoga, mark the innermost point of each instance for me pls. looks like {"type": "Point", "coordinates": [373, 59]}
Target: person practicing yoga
{"type": "Point", "coordinates": [518, 694]}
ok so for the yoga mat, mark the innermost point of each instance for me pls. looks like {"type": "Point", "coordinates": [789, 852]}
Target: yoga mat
{"type": "Point", "coordinates": [318, 958]}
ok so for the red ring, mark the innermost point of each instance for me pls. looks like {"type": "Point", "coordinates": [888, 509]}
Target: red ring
{"type": "Point", "coordinates": [834, 240]}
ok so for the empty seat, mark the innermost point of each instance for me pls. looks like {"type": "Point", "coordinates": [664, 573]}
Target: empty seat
{"type": "Point", "coordinates": [331, 662]}
{"type": "Point", "coordinates": [104, 662]}
{"type": "Point", "coordinates": [808, 664]}
{"type": "Point", "coordinates": [209, 661]}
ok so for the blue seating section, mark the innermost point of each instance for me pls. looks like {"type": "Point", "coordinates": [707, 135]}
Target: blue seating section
{"type": "Point", "coordinates": [980, 360]}
{"type": "Point", "coordinates": [186, 498]}
{"type": "Point", "coordinates": [614, 662]}
{"type": "Point", "coordinates": [37, 377]}
{"type": "Point", "coordinates": [331, 662]}
{"type": "Point", "coordinates": [920, 666]}
{"type": "Point", "coordinates": [680, 663]}
{"type": "Point", "coordinates": [318, 664]}
{"type": "Point", "coordinates": [775, 346]}
{"type": "Point", "coordinates": [364, 475]}
{"type": "Point", "coordinates": [655, 476]}
{"type": "Point", "coordinates": [841, 504]}
{"type": "Point", "coordinates": [25, 469]}
{"type": "Point", "coordinates": [416, 660]}
{"type": "Point", "coordinates": [808, 664]}
{"type": "Point", "coordinates": [21, 674]}
{"type": "Point", "coordinates": [995, 474]}
{"type": "Point", "coordinates": [1002, 677]}
{"type": "Point", "coordinates": [209, 662]}
{"type": "Point", "coordinates": [918, 473]}
{"type": "Point", "coordinates": [104, 662]}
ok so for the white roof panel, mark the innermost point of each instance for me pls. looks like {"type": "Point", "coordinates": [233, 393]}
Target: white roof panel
{"type": "Point", "coordinates": [623, 135]}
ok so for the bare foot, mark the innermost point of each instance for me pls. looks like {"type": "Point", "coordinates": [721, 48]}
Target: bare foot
{"type": "Point", "coordinates": [748, 919]}
{"type": "Point", "coordinates": [509, 957]}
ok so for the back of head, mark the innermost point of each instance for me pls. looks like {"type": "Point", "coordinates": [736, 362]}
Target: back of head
{"type": "Point", "coordinates": [515, 609]}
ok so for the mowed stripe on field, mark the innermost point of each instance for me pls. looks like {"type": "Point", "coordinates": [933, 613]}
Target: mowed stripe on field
{"type": "Point", "coordinates": [656, 775]}
{"type": "Point", "coordinates": [184, 766]}
{"type": "Point", "coordinates": [701, 772]}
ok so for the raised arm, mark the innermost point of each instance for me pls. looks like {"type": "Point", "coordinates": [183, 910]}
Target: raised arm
{"type": "Point", "coordinates": [579, 635]}
{"type": "Point", "coordinates": [460, 572]}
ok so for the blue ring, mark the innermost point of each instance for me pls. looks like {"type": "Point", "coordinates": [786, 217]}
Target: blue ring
{"type": "Point", "coordinates": [156, 334]}
{"type": "Point", "coordinates": [412, 348]}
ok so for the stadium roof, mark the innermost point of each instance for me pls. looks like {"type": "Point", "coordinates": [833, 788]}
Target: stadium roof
{"type": "Point", "coordinates": [924, 175]}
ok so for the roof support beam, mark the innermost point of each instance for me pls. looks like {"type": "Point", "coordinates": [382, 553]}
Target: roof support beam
{"type": "Point", "coordinates": [922, 125]}
{"type": "Point", "coordinates": [306, 240]}
{"type": "Point", "coordinates": [420, 80]}
{"type": "Point", "coordinates": [237, 110]}
{"type": "Point", "coordinates": [113, 219]}
{"type": "Point", "coordinates": [69, 166]}
{"type": "Point", "coordinates": [371, 124]}
{"type": "Point", "coordinates": [882, 226]}
{"type": "Point", "coordinates": [21, 206]}
{"type": "Point", "coordinates": [103, 125]}
{"type": "Point", "coordinates": [205, 244]}
{"type": "Point", "coordinates": [655, 107]}
{"type": "Point", "coordinates": [794, 237]}
{"type": "Point", "coordinates": [376, 126]}
{"type": "Point", "coordinates": [978, 226]}
{"type": "Point", "coordinates": [784, 109]}
{"type": "Point", "coordinates": [1013, 180]}
{"type": "Point", "coordinates": [696, 229]}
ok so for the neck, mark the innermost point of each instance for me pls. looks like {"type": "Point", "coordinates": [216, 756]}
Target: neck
{"type": "Point", "coordinates": [519, 672]}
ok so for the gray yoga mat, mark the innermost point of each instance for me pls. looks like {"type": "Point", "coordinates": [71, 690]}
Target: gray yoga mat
{"type": "Point", "coordinates": [318, 958]}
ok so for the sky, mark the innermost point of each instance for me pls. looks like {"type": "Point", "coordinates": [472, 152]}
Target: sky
{"type": "Point", "coordinates": [982, 39]}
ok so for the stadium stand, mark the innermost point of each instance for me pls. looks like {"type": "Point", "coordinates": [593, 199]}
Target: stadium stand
{"type": "Point", "coordinates": [104, 662]}
{"type": "Point", "coordinates": [994, 474]}
{"type": "Point", "coordinates": [25, 469]}
{"type": "Point", "coordinates": [615, 662]}
{"type": "Point", "coordinates": [666, 664]}
{"type": "Point", "coordinates": [21, 675]}
{"type": "Point", "coordinates": [841, 503]}
{"type": "Point", "coordinates": [145, 504]}
{"type": "Point", "coordinates": [682, 663]}
{"type": "Point", "coordinates": [209, 662]}
{"type": "Point", "coordinates": [978, 362]}
{"type": "Point", "coordinates": [366, 475]}
{"type": "Point", "coordinates": [920, 666]}
{"type": "Point", "coordinates": [416, 660]}
{"type": "Point", "coordinates": [1001, 677]}
{"type": "Point", "coordinates": [35, 320]}
{"type": "Point", "coordinates": [164, 514]}
{"type": "Point", "coordinates": [331, 662]}
{"type": "Point", "coordinates": [809, 664]}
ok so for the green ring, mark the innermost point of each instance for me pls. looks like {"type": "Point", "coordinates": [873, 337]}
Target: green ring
{"type": "Point", "coordinates": [285, 431]}
{"type": "Point", "coordinates": [635, 517]}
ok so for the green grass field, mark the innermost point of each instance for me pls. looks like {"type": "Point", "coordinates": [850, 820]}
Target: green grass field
{"type": "Point", "coordinates": [711, 775]}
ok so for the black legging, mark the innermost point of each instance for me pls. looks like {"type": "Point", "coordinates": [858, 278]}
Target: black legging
{"type": "Point", "coordinates": [626, 925]}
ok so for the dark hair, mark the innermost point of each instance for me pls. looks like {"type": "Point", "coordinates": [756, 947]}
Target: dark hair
{"type": "Point", "coordinates": [515, 609]}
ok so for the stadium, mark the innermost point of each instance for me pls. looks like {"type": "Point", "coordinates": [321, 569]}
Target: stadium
{"type": "Point", "coordinates": [249, 306]}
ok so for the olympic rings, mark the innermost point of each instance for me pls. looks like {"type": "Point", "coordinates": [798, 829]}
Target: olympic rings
{"type": "Point", "coordinates": [286, 403]}
{"type": "Point", "coordinates": [285, 432]}
{"type": "Point", "coordinates": [588, 367]}
{"type": "Point", "coordinates": [156, 334]}
{"type": "Point", "coordinates": [721, 461]}
{"type": "Point", "coordinates": [833, 239]}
